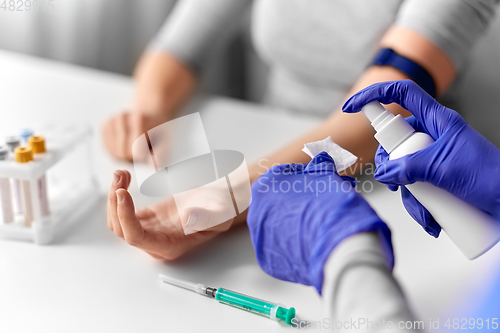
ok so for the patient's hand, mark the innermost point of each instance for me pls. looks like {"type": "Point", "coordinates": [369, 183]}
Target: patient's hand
{"type": "Point", "coordinates": [120, 131]}
{"type": "Point", "coordinates": [163, 84]}
{"type": "Point", "coordinates": [156, 229]}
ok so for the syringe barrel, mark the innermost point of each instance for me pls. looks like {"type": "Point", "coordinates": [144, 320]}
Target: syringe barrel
{"type": "Point", "coordinates": [258, 306]}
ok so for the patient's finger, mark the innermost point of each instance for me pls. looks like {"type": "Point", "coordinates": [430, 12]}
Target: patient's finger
{"type": "Point", "coordinates": [145, 239]}
{"type": "Point", "coordinates": [112, 199]}
{"type": "Point", "coordinates": [120, 180]}
{"type": "Point", "coordinates": [127, 179]}
{"type": "Point", "coordinates": [133, 231]}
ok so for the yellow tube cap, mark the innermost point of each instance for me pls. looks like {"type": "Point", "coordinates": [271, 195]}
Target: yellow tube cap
{"type": "Point", "coordinates": [37, 143]}
{"type": "Point", "coordinates": [23, 154]}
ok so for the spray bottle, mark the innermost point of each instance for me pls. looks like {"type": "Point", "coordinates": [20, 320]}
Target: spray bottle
{"type": "Point", "coordinates": [473, 231]}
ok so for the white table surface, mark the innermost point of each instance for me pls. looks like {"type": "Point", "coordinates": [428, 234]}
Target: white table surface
{"type": "Point", "coordinates": [92, 281]}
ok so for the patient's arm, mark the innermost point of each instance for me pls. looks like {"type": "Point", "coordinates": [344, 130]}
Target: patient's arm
{"type": "Point", "coordinates": [353, 131]}
{"type": "Point", "coordinates": [166, 74]}
{"type": "Point", "coordinates": [436, 34]}
{"type": "Point", "coordinates": [163, 83]}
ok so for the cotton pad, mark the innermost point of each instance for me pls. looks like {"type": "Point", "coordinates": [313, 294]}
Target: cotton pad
{"type": "Point", "coordinates": [342, 158]}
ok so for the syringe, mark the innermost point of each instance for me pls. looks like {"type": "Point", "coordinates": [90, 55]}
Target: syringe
{"type": "Point", "coordinates": [244, 302]}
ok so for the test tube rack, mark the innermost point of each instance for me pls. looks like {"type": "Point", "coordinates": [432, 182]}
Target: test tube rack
{"type": "Point", "coordinates": [67, 209]}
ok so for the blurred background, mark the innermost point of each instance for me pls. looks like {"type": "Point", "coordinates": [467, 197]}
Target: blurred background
{"type": "Point", "coordinates": [111, 35]}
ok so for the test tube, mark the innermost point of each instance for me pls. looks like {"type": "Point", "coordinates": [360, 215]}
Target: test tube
{"type": "Point", "coordinates": [25, 155]}
{"type": "Point", "coordinates": [25, 133]}
{"type": "Point", "coordinates": [5, 192]}
{"type": "Point", "coordinates": [37, 144]}
{"type": "Point", "coordinates": [13, 142]}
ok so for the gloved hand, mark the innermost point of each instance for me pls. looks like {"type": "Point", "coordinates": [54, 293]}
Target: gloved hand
{"type": "Point", "coordinates": [461, 161]}
{"type": "Point", "coordinates": [300, 212]}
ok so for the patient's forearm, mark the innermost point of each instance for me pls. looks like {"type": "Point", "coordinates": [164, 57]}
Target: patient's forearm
{"type": "Point", "coordinates": [353, 131]}
{"type": "Point", "coordinates": [164, 83]}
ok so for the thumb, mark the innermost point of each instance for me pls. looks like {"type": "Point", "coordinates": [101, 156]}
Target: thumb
{"type": "Point", "coordinates": [132, 228]}
{"type": "Point", "coordinates": [321, 162]}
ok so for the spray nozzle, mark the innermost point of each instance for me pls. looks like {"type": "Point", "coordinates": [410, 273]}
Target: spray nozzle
{"type": "Point", "coordinates": [373, 110]}
{"type": "Point", "coordinates": [391, 130]}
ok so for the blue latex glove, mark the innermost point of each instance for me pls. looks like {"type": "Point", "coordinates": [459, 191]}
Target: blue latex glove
{"type": "Point", "coordinates": [300, 212]}
{"type": "Point", "coordinates": [461, 161]}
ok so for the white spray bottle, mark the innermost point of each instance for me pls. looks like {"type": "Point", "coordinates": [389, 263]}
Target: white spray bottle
{"type": "Point", "coordinates": [473, 231]}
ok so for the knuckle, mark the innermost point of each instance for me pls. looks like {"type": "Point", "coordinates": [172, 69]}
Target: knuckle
{"type": "Point", "coordinates": [406, 83]}
{"type": "Point", "coordinates": [123, 118]}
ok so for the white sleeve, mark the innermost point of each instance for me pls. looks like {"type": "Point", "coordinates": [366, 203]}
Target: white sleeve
{"type": "Point", "coordinates": [359, 290]}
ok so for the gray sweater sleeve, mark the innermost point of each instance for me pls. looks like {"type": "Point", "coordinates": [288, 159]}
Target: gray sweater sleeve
{"type": "Point", "coordinates": [452, 25]}
{"type": "Point", "coordinates": [193, 27]}
{"type": "Point", "coordinates": [360, 291]}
